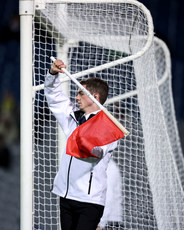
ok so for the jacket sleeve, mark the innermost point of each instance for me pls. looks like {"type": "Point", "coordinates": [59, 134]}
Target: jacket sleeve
{"type": "Point", "coordinates": [58, 102]}
{"type": "Point", "coordinates": [113, 206]}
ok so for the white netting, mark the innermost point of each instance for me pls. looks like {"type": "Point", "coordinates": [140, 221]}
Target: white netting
{"type": "Point", "coordinates": [87, 36]}
{"type": "Point", "coordinates": [163, 66]}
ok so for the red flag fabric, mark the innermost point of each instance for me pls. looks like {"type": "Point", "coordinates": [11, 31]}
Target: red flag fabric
{"type": "Point", "coordinates": [97, 131]}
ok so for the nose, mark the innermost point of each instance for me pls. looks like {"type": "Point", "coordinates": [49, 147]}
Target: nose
{"type": "Point", "coordinates": [77, 97]}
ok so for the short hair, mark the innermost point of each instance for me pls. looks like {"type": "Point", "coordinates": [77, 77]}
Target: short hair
{"type": "Point", "coordinates": [97, 85]}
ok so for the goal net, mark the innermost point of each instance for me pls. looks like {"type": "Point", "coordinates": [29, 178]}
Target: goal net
{"type": "Point", "coordinates": [111, 40]}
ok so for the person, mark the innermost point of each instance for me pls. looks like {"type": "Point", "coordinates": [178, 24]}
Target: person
{"type": "Point", "coordinates": [80, 182]}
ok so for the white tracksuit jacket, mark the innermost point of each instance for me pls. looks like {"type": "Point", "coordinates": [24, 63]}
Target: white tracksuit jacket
{"type": "Point", "coordinates": [81, 179]}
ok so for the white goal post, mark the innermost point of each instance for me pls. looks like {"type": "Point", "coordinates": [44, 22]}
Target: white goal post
{"type": "Point", "coordinates": [112, 40]}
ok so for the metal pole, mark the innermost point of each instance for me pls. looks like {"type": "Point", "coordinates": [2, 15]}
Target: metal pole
{"type": "Point", "coordinates": [26, 11]}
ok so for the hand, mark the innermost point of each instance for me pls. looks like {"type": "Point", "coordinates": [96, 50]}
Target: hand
{"type": "Point", "coordinates": [98, 228]}
{"type": "Point", "coordinates": [56, 67]}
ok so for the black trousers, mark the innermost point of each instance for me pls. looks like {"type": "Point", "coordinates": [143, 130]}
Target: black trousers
{"type": "Point", "coordinates": [77, 215]}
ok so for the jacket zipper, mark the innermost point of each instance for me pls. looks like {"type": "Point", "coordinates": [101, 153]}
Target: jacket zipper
{"type": "Point", "coordinates": [90, 181]}
{"type": "Point", "coordinates": [69, 166]}
{"type": "Point", "coordinates": [68, 177]}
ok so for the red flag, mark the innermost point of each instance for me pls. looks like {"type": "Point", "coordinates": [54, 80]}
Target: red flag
{"type": "Point", "coordinates": [97, 131]}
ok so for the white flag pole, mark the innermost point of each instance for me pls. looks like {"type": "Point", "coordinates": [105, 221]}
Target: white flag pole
{"type": "Point", "coordinates": [110, 116]}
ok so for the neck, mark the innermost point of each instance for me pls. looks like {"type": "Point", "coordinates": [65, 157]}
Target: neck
{"type": "Point", "coordinates": [92, 110]}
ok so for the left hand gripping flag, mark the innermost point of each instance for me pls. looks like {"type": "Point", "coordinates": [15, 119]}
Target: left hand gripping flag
{"type": "Point", "coordinates": [97, 131]}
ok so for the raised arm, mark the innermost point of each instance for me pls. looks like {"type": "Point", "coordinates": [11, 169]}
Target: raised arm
{"type": "Point", "coordinates": [57, 67]}
{"type": "Point", "coordinates": [58, 102]}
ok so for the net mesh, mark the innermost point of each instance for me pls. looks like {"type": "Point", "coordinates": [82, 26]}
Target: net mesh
{"type": "Point", "coordinates": [108, 41]}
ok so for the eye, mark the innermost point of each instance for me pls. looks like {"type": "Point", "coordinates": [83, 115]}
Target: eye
{"type": "Point", "coordinates": [81, 93]}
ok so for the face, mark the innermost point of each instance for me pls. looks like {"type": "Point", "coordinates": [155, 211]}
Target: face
{"type": "Point", "coordinates": [84, 102]}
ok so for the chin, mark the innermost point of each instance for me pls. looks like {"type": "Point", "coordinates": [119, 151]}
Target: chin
{"type": "Point", "coordinates": [80, 107]}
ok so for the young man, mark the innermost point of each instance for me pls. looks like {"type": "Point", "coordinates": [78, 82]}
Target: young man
{"type": "Point", "coordinates": [80, 182]}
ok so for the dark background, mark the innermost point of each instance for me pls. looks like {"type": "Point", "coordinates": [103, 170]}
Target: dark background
{"type": "Point", "coordinates": [168, 18]}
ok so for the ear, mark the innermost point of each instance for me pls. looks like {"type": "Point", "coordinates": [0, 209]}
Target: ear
{"type": "Point", "coordinates": [96, 96]}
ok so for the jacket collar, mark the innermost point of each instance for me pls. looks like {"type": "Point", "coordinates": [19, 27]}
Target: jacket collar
{"type": "Point", "coordinates": [78, 114]}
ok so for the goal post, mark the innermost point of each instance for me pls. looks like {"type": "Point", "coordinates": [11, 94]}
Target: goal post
{"type": "Point", "coordinates": [26, 11]}
{"type": "Point", "coordinates": [112, 40]}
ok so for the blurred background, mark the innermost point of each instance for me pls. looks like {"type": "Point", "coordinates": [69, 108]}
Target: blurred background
{"type": "Point", "coordinates": [168, 21]}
